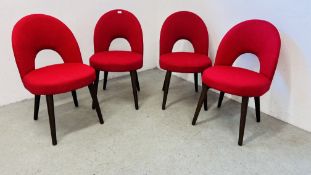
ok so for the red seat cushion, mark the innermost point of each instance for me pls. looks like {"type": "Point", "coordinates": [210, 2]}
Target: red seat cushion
{"type": "Point", "coordinates": [236, 81]}
{"type": "Point", "coordinates": [117, 61]}
{"type": "Point", "coordinates": [184, 62]}
{"type": "Point", "coordinates": [59, 78]}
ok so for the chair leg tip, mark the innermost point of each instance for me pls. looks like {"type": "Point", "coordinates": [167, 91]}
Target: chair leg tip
{"type": "Point", "coordinates": [240, 143]}
{"type": "Point", "coordinates": [54, 143]}
{"type": "Point", "coordinates": [193, 123]}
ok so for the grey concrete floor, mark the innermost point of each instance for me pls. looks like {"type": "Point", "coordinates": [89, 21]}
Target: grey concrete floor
{"type": "Point", "coordinates": [147, 141]}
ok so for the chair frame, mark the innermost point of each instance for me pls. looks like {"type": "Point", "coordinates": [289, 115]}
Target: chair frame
{"type": "Point", "coordinates": [244, 107]}
{"type": "Point", "coordinates": [78, 59]}
{"type": "Point", "coordinates": [51, 111]}
{"type": "Point", "coordinates": [134, 81]}
{"type": "Point", "coordinates": [165, 50]}
{"type": "Point", "coordinates": [166, 85]}
{"type": "Point", "coordinates": [138, 49]}
{"type": "Point", "coordinates": [268, 59]}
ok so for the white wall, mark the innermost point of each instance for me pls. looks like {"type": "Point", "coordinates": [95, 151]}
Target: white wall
{"type": "Point", "coordinates": [289, 96]}
{"type": "Point", "coordinates": [80, 16]}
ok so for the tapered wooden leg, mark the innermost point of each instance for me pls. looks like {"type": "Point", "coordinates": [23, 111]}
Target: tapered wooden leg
{"type": "Point", "coordinates": [95, 86]}
{"type": "Point", "coordinates": [50, 105]}
{"type": "Point", "coordinates": [36, 107]}
{"type": "Point", "coordinates": [137, 81]}
{"type": "Point", "coordinates": [200, 103]}
{"type": "Point", "coordinates": [196, 82]}
{"type": "Point", "coordinates": [134, 87]}
{"type": "Point", "coordinates": [95, 102]}
{"type": "Point", "coordinates": [244, 106]}
{"type": "Point", "coordinates": [221, 97]}
{"type": "Point", "coordinates": [75, 99]}
{"type": "Point", "coordinates": [166, 77]}
{"type": "Point", "coordinates": [167, 85]}
{"type": "Point", "coordinates": [257, 108]}
{"type": "Point", "coordinates": [105, 80]}
{"type": "Point", "coordinates": [205, 100]}
{"type": "Point", "coordinates": [205, 103]}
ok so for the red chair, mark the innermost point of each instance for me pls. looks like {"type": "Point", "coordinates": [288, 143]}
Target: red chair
{"type": "Point", "coordinates": [188, 26]}
{"type": "Point", "coordinates": [38, 32]}
{"type": "Point", "coordinates": [118, 24]}
{"type": "Point", "coordinates": [253, 36]}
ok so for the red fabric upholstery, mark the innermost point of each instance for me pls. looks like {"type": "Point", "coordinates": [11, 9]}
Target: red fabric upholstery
{"type": "Point", "coordinates": [118, 24]}
{"type": "Point", "coordinates": [59, 78]}
{"type": "Point", "coordinates": [184, 25]}
{"type": "Point", "coordinates": [253, 36]}
{"type": "Point", "coordinates": [189, 26]}
{"type": "Point", "coordinates": [117, 61]}
{"type": "Point", "coordinates": [236, 81]}
{"type": "Point", "coordinates": [37, 32]}
{"type": "Point", "coordinates": [185, 62]}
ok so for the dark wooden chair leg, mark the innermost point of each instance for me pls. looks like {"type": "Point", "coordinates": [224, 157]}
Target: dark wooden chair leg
{"type": "Point", "coordinates": [205, 100]}
{"type": "Point", "coordinates": [196, 82]}
{"type": "Point", "coordinates": [221, 97]}
{"type": "Point", "coordinates": [244, 107]}
{"type": "Point", "coordinates": [257, 108]}
{"type": "Point", "coordinates": [166, 77]}
{"type": "Point", "coordinates": [50, 105]}
{"type": "Point", "coordinates": [95, 102]}
{"type": "Point", "coordinates": [95, 86]}
{"type": "Point", "coordinates": [167, 85]}
{"type": "Point", "coordinates": [205, 103]}
{"type": "Point", "coordinates": [75, 99]}
{"type": "Point", "coordinates": [200, 103]}
{"type": "Point", "coordinates": [134, 87]}
{"type": "Point", "coordinates": [163, 85]}
{"type": "Point", "coordinates": [105, 80]}
{"type": "Point", "coordinates": [137, 81]}
{"type": "Point", "coordinates": [36, 107]}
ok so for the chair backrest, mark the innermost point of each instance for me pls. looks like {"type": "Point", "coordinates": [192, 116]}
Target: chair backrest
{"type": "Point", "coordinates": [184, 25]}
{"type": "Point", "coordinates": [37, 32]}
{"type": "Point", "coordinates": [258, 37]}
{"type": "Point", "coordinates": [118, 24]}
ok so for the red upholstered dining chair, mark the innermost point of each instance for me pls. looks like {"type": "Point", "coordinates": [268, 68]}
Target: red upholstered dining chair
{"type": "Point", "coordinates": [258, 37]}
{"type": "Point", "coordinates": [38, 32]}
{"type": "Point", "coordinates": [189, 26]}
{"type": "Point", "coordinates": [112, 25]}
